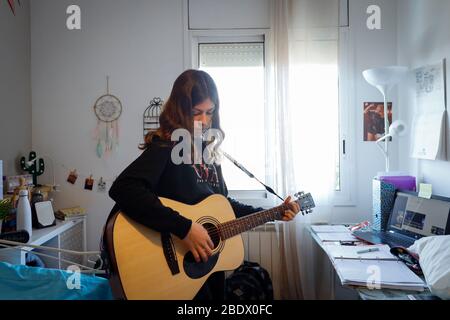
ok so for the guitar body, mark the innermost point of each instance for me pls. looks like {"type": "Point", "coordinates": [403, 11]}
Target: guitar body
{"type": "Point", "coordinates": [140, 270]}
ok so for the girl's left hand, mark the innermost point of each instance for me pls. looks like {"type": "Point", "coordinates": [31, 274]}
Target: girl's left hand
{"type": "Point", "coordinates": [293, 209]}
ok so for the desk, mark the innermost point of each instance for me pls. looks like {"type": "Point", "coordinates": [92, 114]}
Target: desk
{"type": "Point", "coordinates": [64, 235]}
{"type": "Point", "coordinates": [365, 293]}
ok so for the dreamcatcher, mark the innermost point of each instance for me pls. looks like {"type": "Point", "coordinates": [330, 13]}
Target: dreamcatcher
{"type": "Point", "coordinates": [12, 6]}
{"type": "Point", "coordinates": [108, 109]}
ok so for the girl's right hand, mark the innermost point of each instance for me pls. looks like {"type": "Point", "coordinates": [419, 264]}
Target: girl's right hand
{"type": "Point", "coordinates": [198, 242]}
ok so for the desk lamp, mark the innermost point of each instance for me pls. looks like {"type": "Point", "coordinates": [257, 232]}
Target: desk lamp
{"type": "Point", "coordinates": [384, 78]}
{"type": "Point", "coordinates": [397, 128]}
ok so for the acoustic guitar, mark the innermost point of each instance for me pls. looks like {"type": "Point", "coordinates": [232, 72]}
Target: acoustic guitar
{"type": "Point", "coordinates": [139, 269]}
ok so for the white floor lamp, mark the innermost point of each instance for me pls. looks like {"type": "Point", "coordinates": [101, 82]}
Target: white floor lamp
{"type": "Point", "coordinates": [384, 78]}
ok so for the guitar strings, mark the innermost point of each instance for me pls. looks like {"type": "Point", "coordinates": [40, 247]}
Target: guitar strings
{"type": "Point", "coordinates": [227, 227]}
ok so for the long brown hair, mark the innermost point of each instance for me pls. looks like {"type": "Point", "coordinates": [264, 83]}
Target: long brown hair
{"type": "Point", "coordinates": [191, 88]}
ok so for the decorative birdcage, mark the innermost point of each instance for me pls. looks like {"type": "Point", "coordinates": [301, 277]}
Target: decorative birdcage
{"type": "Point", "coordinates": [151, 116]}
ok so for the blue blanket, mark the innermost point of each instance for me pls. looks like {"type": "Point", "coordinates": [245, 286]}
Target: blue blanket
{"type": "Point", "coordinates": [19, 282]}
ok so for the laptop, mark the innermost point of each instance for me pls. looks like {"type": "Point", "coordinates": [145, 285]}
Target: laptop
{"type": "Point", "coordinates": [411, 218]}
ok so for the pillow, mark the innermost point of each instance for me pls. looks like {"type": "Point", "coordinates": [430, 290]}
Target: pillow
{"type": "Point", "coordinates": [434, 259]}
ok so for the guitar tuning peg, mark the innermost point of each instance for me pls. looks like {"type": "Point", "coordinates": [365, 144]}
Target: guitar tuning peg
{"type": "Point", "coordinates": [299, 194]}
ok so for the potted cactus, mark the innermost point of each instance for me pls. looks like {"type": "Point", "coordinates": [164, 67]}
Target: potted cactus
{"type": "Point", "coordinates": [5, 209]}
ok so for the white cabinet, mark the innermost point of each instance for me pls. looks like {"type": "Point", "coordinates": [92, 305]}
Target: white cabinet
{"type": "Point", "coordinates": [70, 235]}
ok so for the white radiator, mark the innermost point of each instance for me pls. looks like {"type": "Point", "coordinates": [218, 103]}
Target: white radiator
{"type": "Point", "coordinates": [261, 246]}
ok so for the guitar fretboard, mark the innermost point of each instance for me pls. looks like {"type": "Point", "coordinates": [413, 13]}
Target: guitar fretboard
{"type": "Point", "coordinates": [234, 227]}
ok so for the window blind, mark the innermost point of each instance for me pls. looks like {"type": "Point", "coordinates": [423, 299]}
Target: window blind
{"type": "Point", "coordinates": [231, 55]}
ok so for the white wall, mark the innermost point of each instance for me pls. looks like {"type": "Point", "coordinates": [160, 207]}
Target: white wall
{"type": "Point", "coordinates": [368, 49]}
{"type": "Point", "coordinates": [423, 34]}
{"type": "Point", "coordinates": [230, 14]}
{"type": "Point", "coordinates": [139, 45]}
{"type": "Point", "coordinates": [15, 91]}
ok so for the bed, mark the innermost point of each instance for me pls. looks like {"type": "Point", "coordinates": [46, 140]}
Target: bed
{"type": "Point", "coordinates": [19, 282]}
{"type": "Point", "coordinates": [22, 282]}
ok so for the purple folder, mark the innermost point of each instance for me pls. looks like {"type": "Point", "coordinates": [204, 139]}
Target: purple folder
{"type": "Point", "coordinates": [400, 182]}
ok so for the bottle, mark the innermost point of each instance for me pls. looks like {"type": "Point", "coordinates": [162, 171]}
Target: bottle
{"type": "Point", "coordinates": [24, 221]}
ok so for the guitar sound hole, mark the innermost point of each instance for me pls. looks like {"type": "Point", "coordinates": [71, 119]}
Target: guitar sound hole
{"type": "Point", "coordinates": [213, 233]}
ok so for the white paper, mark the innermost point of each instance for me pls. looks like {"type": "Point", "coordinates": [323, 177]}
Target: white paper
{"type": "Point", "coordinates": [336, 236]}
{"type": "Point", "coordinates": [430, 89]}
{"type": "Point", "coordinates": [329, 228]}
{"type": "Point", "coordinates": [351, 252]}
{"type": "Point", "coordinates": [385, 274]}
{"type": "Point", "coordinates": [428, 132]}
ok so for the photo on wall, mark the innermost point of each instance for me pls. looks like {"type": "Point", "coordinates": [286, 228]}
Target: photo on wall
{"type": "Point", "coordinates": [374, 120]}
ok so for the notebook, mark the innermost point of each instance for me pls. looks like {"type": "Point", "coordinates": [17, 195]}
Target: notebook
{"type": "Point", "coordinates": [378, 274]}
{"type": "Point", "coordinates": [358, 252]}
{"type": "Point", "coordinates": [336, 236]}
{"type": "Point", "coordinates": [329, 228]}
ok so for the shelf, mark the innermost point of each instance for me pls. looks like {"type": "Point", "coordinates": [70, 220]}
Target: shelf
{"type": "Point", "coordinates": [41, 236]}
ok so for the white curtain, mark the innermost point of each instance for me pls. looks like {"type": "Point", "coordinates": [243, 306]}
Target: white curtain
{"type": "Point", "coordinates": [303, 113]}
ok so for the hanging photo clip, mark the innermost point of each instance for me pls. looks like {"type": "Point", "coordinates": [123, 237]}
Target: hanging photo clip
{"type": "Point", "coordinates": [101, 186]}
{"type": "Point", "coordinates": [73, 176]}
{"type": "Point", "coordinates": [89, 183]}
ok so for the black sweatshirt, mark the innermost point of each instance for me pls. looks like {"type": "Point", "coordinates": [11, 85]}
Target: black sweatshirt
{"type": "Point", "coordinates": [153, 175]}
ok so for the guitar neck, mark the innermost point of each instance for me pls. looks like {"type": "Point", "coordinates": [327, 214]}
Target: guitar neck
{"type": "Point", "coordinates": [232, 228]}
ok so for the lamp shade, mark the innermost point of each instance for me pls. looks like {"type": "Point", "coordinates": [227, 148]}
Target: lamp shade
{"type": "Point", "coordinates": [385, 77]}
{"type": "Point", "coordinates": [397, 128]}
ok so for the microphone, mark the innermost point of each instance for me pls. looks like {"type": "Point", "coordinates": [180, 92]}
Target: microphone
{"type": "Point", "coordinates": [251, 175]}
{"type": "Point", "coordinates": [237, 164]}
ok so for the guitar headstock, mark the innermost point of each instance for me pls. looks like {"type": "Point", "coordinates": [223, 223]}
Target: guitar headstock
{"type": "Point", "coordinates": [305, 201]}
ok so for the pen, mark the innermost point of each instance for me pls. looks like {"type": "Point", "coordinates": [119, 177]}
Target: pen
{"type": "Point", "coordinates": [367, 250]}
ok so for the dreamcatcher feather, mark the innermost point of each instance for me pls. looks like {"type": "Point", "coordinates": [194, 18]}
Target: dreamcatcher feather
{"type": "Point", "coordinates": [108, 109]}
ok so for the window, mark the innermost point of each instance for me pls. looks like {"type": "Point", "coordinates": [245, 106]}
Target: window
{"type": "Point", "coordinates": [238, 70]}
{"type": "Point", "coordinates": [236, 61]}
{"type": "Point", "coordinates": [314, 98]}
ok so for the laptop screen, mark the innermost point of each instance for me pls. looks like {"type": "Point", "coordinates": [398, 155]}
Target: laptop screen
{"type": "Point", "coordinates": [419, 217]}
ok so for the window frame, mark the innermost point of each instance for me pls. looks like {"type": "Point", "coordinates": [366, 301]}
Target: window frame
{"type": "Point", "coordinates": [345, 197]}
{"type": "Point", "coordinates": [195, 37]}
